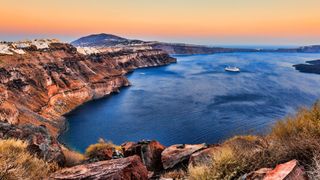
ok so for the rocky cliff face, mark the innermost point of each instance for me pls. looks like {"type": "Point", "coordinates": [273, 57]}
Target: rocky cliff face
{"type": "Point", "coordinates": [48, 80]}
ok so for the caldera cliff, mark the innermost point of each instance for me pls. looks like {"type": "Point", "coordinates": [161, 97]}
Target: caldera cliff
{"type": "Point", "coordinates": [42, 80]}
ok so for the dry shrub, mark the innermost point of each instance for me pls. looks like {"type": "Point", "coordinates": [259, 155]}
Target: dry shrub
{"type": "Point", "coordinates": [234, 158]}
{"type": "Point", "coordinates": [175, 174]}
{"type": "Point", "coordinates": [72, 157]}
{"type": "Point", "coordinates": [314, 170]}
{"type": "Point", "coordinates": [101, 151]}
{"type": "Point", "coordinates": [199, 172]}
{"type": "Point", "coordinates": [296, 137]}
{"type": "Point", "coordinates": [17, 163]}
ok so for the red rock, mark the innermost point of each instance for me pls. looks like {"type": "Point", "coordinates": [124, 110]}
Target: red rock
{"type": "Point", "coordinates": [52, 89]}
{"type": "Point", "coordinates": [257, 175]}
{"type": "Point", "coordinates": [8, 112]}
{"type": "Point", "coordinates": [149, 152]}
{"type": "Point", "coordinates": [287, 171]}
{"type": "Point", "coordinates": [128, 148]}
{"type": "Point", "coordinates": [177, 154]}
{"type": "Point", "coordinates": [3, 94]}
{"type": "Point", "coordinates": [130, 168]}
{"type": "Point", "coordinates": [103, 154]}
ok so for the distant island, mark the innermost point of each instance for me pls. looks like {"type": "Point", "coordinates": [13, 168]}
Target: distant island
{"type": "Point", "coordinates": [309, 67]}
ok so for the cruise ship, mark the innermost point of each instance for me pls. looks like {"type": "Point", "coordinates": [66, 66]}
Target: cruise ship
{"type": "Point", "coordinates": [232, 69]}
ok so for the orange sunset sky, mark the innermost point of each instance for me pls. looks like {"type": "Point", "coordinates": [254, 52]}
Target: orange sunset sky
{"type": "Point", "coordinates": [279, 22]}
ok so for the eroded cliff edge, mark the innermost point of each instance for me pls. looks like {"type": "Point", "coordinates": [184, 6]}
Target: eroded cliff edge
{"type": "Point", "coordinates": [40, 84]}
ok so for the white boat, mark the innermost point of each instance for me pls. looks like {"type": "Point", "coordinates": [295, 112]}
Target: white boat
{"type": "Point", "coordinates": [232, 69]}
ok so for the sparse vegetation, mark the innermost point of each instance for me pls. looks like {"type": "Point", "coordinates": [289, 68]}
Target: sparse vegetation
{"type": "Point", "coordinates": [199, 172]}
{"type": "Point", "coordinates": [101, 151]}
{"type": "Point", "coordinates": [17, 163]}
{"type": "Point", "coordinates": [314, 170]}
{"type": "Point", "coordinates": [295, 137]}
{"type": "Point", "coordinates": [175, 174]}
{"type": "Point", "coordinates": [72, 157]}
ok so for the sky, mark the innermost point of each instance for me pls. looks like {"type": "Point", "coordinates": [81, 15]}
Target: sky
{"type": "Point", "coordinates": [209, 22]}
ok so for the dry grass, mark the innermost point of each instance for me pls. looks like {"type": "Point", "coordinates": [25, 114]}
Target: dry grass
{"type": "Point", "coordinates": [298, 136]}
{"type": "Point", "coordinates": [199, 173]}
{"type": "Point", "coordinates": [235, 157]}
{"type": "Point", "coordinates": [295, 137]}
{"type": "Point", "coordinates": [17, 163]}
{"type": "Point", "coordinates": [72, 157]}
{"type": "Point", "coordinates": [97, 152]}
{"type": "Point", "coordinates": [175, 174]}
{"type": "Point", "coordinates": [314, 170]}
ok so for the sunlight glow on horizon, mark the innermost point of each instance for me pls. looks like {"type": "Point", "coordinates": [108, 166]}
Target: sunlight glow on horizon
{"type": "Point", "coordinates": [200, 21]}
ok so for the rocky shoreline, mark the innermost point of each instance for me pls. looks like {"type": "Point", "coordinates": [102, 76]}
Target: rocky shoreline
{"type": "Point", "coordinates": [309, 67]}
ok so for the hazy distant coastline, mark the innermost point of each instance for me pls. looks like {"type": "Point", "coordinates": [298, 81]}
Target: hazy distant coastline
{"type": "Point", "coordinates": [104, 40]}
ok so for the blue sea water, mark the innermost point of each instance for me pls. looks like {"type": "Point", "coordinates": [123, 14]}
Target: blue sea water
{"type": "Point", "coordinates": [196, 101]}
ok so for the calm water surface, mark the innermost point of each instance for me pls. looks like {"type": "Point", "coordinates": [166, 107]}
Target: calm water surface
{"type": "Point", "coordinates": [196, 101]}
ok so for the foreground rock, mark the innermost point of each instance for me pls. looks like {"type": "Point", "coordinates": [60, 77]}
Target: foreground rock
{"type": "Point", "coordinates": [177, 154]}
{"type": "Point", "coordinates": [149, 152]}
{"type": "Point", "coordinates": [124, 168]}
{"type": "Point", "coordinates": [257, 175]}
{"type": "Point", "coordinates": [41, 143]}
{"type": "Point", "coordinates": [286, 171]}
